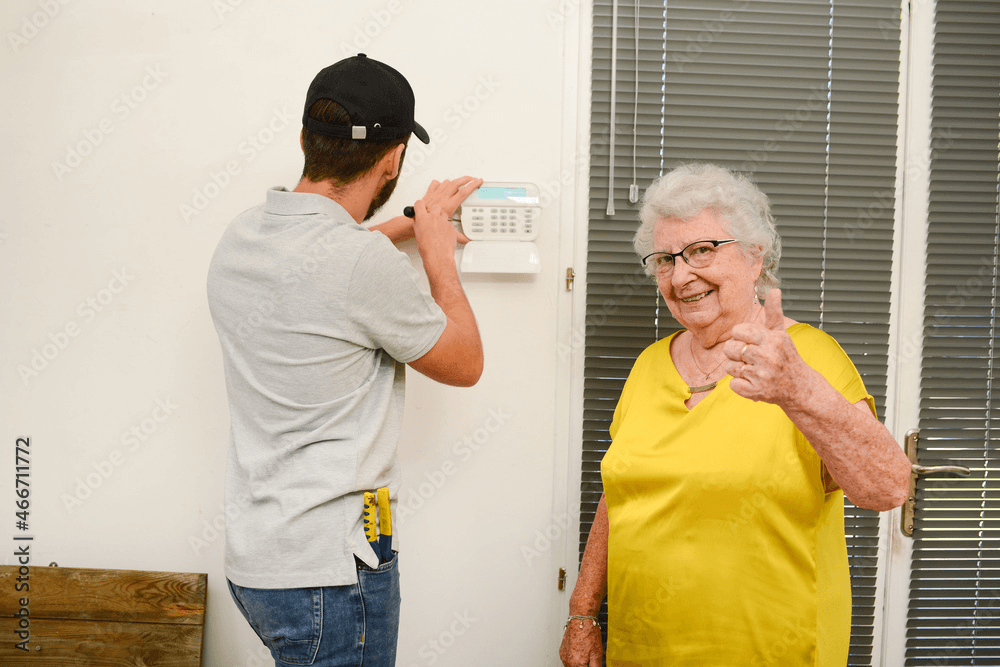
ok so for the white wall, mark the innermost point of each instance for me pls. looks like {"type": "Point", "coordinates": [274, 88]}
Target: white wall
{"type": "Point", "coordinates": [133, 131]}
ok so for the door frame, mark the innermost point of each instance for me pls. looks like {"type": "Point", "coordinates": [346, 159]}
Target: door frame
{"type": "Point", "coordinates": [909, 278]}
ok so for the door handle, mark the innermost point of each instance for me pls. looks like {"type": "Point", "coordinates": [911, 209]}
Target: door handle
{"type": "Point", "coordinates": [912, 442]}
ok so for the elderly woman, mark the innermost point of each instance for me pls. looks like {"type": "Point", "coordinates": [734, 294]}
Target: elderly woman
{"type": "Point", "coordinates": [720, 536]}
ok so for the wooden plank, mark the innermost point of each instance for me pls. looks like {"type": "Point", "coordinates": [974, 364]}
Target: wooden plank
{"type": "Point", "coordinates": [61, 643]}
{"type": "Point", "coordinates": [106, 595]}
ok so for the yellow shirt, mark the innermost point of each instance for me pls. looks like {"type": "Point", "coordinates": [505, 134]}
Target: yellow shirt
{"type": "Point", "coordinates": [726, 543]}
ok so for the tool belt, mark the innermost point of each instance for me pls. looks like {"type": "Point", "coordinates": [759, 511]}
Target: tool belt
{"type": "Point", "coordinates": [380, 541]}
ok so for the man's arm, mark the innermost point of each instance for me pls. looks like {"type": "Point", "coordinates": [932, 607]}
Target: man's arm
{"type": "Point", "coordinates": [398, 229]}
{"type": "Point", "coordinates": [457, 357]}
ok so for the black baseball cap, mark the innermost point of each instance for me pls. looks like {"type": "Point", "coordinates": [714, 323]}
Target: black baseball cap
{"type": "Point", "coordinates": [377, 98]}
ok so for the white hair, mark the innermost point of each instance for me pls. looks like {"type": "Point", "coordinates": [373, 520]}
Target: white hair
{"type": "Point", "coordinates": [692, 188]}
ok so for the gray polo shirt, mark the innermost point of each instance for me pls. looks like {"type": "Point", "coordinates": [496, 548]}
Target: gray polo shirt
{"type": "Point", "coordinates": [316, 317]}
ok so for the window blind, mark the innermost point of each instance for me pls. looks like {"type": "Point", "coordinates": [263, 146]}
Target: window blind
{"type": "Point", "coordinates": [803, 94]}
{"type": "Point", "coordinates": [954, 609]}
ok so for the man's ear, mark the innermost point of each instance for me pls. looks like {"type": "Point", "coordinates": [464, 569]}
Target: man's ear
{"type": "Point", "coordinates": [302, 144]}
{"type": "Point", "coordinates": [391, 161]}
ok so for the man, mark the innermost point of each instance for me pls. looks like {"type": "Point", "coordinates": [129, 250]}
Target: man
{"type": "Point", "coordinates": [316, 317]}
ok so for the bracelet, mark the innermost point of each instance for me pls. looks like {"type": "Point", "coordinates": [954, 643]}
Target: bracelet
{"type": "Point", "coordinates": [592, 619]}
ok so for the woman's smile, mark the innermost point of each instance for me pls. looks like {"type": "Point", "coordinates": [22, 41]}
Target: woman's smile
{"type": "Point", "coordinates": [696, 297]}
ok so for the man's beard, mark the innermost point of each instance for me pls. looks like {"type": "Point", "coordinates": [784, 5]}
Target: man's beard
{"type": "Point", "coordinates": [382, 196]}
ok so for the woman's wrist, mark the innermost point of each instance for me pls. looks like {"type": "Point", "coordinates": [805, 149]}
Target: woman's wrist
{"type": "Point", "coordinates": [583, 621]}
{"type": "Point", "coordinates": [584, 604]}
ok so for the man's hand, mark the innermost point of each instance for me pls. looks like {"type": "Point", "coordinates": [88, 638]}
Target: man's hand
{"type": "Point", "coordinates": [435, 235]}
{"type": "Point", "coordinates": [449, 195]}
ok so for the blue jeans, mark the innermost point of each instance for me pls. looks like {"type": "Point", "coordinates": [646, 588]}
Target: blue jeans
{"type": "Point", "coordinates": [333, 626]}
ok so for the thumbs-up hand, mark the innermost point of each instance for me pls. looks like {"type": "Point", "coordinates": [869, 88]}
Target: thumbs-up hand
{"type": "Point", "coordinates": [764, 363]}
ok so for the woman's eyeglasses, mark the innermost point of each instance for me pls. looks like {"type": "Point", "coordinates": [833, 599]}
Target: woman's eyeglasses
{"type": "Point", "coordinates": [698, 255]}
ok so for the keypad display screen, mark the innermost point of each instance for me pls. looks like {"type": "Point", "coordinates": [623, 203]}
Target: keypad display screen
{"type": "Point", "coordinates": [502, 193]}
